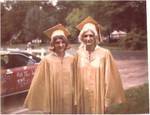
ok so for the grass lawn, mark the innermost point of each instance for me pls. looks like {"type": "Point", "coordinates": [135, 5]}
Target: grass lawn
{"type": "Point", "coordinates": [137, 102]}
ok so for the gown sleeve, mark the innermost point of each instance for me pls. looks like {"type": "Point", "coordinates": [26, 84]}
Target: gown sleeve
{"type": "Point", "coordinates": [75, 82]}
{"type": "Point", "coordinates": [37, 98]}
{"type": "Point", "coordinates": [114, 93]}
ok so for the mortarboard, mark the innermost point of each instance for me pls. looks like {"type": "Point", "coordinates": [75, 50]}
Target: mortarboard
{"type": "Point", "coordinates": [85, 21]}
{"type": "Point", "coordinates": [59, 29]}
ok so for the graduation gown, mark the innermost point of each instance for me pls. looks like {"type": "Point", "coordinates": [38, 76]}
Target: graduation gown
{"type": "Point", "coordinates": [97, 82]}
{"type": "Point", "coordinates": [51, 88]}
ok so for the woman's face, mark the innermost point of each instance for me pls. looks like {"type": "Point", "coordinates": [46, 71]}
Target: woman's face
{"type": "Point", "coordinates": [89, 38]}
{"type": "Point", "coordinates": [59, 45]}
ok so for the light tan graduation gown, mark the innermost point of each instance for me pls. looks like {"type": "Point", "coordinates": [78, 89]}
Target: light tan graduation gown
{"type": "Point", "coordinates": [97, 82]}
{"type": "Point", "coordinates": [51, 88]}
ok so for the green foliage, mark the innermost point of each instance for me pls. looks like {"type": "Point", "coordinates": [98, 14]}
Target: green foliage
{"type": "Point", "coordinates": [120, 15]}
{"type": "Point", "coordinates": [74, 18]}
{"type": "Point", "coordinates": [35, 23]}
{"type": "Point", "coordinates": [11, 21]}
{"type": "Point", "coordinates": [138, 99]}
{"type": "Point", "coordinates": [126, 15]}
{"type": "Point", "coordinates": [137, 102]}
{"type": "Point", "coordinates": [80, 10]}
{"type": "Point", "coordinates": [135, 40]}
{"type": "Point", "coordinates": [112, 15]}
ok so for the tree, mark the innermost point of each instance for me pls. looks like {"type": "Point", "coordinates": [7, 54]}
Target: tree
{"type": "Point", "coordinates": [34, 23]}
{"type": "Point", "coordinates": [74, 18]}
{"type": "Point", "coordinates": [14, 19]}
{"type": "Point", "coordinates": [125, 15]}
{"type": "Point", "coordinates": [33, 17]}
{"type": "Point", "coordinates": [11, 19]}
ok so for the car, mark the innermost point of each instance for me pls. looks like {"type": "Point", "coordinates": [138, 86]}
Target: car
{"type": "Point", "coordinates": [17, 71]}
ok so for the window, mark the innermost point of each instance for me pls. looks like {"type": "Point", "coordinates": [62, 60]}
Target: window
{"type": "Point", "coordinates": [32, 57]}
{"type": "Point", "coordinates": [17, 60]}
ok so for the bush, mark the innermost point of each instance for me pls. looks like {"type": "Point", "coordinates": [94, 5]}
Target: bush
{"type": "Point", "coordinates": [137, 102]}
{"type": "Point", "coordinates": [135, 40]}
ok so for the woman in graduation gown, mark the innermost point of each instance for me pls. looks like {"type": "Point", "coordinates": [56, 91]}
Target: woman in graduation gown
{"type": "Point", "coordinates": [97, 82]}
{"type": "Point", "coordinates": [51, 87]}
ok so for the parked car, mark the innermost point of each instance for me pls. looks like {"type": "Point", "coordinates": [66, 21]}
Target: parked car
{"type": "Point", "coordinates": [17, 70]}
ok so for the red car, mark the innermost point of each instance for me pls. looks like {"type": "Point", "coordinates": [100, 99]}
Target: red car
{"type": "Point", "coordinates": [17, 70]}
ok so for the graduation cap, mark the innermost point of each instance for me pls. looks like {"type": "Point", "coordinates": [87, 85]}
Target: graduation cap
{"type": "Point", "coordinates": [57, 30]}
{"type": "Point", "coordinates": [89, 24]}
{"type": "Point", "coordinates": [86, 21]}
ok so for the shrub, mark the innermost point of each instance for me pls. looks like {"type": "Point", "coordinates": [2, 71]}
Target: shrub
{"type": "Point", "coordinates": [135, 40]}
{"type": "Point", "coordinates": [137, 102]}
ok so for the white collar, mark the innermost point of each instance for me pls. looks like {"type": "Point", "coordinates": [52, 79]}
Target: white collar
{"type": "Point", "coordinates": [65, 55]}
{"type": "Point", "coordinates": [84, 48]}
